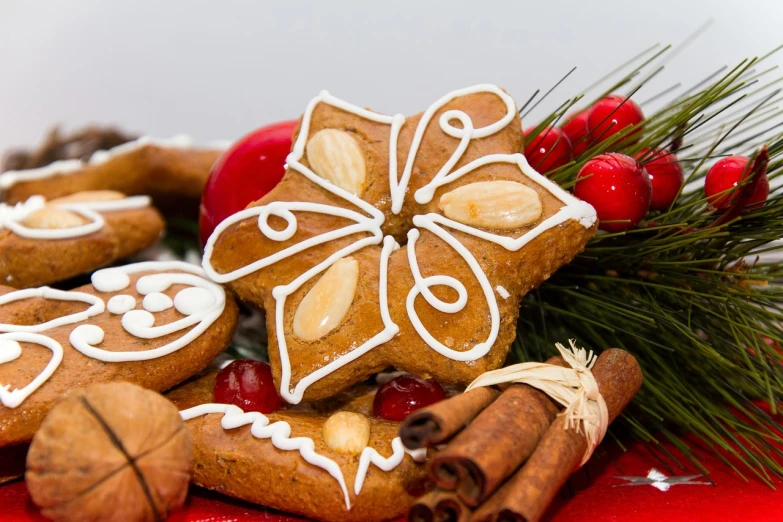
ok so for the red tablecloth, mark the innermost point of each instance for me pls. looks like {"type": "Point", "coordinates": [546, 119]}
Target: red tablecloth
{"type": "Point", "coordinates": [654, 490]}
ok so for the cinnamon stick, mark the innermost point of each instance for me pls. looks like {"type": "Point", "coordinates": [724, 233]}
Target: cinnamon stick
{"type": "Point", "coordinates": [482, 456]}
{"type": "Point", "coordinates": [439, 506]}
{"type": "Point", "coordinates": [526, 496]}
{"type": "Point", "coordinates": [434, 424]}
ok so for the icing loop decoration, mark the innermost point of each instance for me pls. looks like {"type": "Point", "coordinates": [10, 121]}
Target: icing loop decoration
{"type": "Point", "coordinates": [202, 312]}
{"type": "Point", "coordinates": [10, 350]}
{"type": "Point", "coordinates": [372, 220]}
{"type": "Point", "coordinates": [11, 217]}
{"type": "Point", "coordinates": [201, 302]}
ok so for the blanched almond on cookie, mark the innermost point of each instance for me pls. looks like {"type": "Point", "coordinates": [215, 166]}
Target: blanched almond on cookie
{"type": "Point", "coordinates": [327, 302]}
{"type": "Point", "coordinates": [52, 218]}
{"type": "Point", "coordinates": [492, 204]}
{"type": "Point", "coordinates": [89, 196]}
{"type": "Point", "coordinates": [336, 156]}
{"type": "Point", "coordinates": [347, 432]}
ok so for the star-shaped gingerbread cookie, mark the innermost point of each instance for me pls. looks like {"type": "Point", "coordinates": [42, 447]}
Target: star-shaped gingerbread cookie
{"type": "Point", "coordinates": [393, 241]}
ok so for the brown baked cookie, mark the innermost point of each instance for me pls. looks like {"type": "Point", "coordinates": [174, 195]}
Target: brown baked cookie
{"type": "Point", "coordinates": [303, 459]}
{"type": "Point", "coordinates": [57, 146]}
{"type": "Point", "coordinates": [153, 324]}
{"type": "Point", "coordinates": [424, 268]}
{"type": "Point", "coordinates": [166, 170]}
{"type": "Point", "coordinates": [42, 242]}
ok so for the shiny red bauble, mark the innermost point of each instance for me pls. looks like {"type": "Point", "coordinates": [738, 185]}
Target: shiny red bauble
{"type": "Point", "coordinates": [619, 189]}
{"type": "Point", "coordinates": [666, 176]}
{"type": "Point", "coordinates": [244, 173]}
{"type": "Point", "coordinates": [249, 385]}
{"type": "Point", "coordinates": [612, 114]}
{"type": "Point", "coordinates": [396, 399]}
{"type": "Point", "coordinates": [548, 150]}
{"type": "Point", "coordinates": [576, 130]}
{"type": "Point", "coordinates": [720, 185]}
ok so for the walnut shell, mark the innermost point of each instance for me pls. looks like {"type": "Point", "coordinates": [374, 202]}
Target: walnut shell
{"type": "Point", "coordinates": [111, 451]}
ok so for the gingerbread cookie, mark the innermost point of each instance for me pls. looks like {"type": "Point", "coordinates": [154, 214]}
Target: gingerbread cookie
{"type": "Point", "coordinates": [42, 242]}
{"type": "Point", "coordinates": [78, 145]}
{"type": "Point", "coordinates": [398, 241]}
{"type": "Point", "coordinates": [153, 324]}
{"type": "Point", "coordinates": [332, 461]}
{"type": "Point", "coordinates": [166, 170]}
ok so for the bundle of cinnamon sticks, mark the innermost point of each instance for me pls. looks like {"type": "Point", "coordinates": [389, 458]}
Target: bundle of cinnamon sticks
{"type": "Point", "coordinates": [507, 454]}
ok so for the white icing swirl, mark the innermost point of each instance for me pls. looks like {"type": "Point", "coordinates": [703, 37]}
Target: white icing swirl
{"type": "Point", "coordinates": [279, 433]}
{"type": "Point", "coordinates": [202, 303]}
{"type": "Point", "coordinates": [11, 217]}
{"type": "Point", "coordinates": [10, 350]}
{"type": "Point", "coordinates": [372, 222]}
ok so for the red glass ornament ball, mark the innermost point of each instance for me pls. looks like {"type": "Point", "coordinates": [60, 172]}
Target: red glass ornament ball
{"type": "Point", "coordinates": [246, 172]}
{"type": "Point", "coordinates": [612, 114]}
{"type": "Point", "coordinates": [576, 130]}
{"type": "Point", "coordinates": [249, 385]}
{"type": "Point", "coordinates": [666, 176]}
{"type": "Point", "coordinates": [720, 185]}
{"type": "Point", "coordinates": [619, 189]}
{"type": "Point", "coordinates": [405, 394]}
{"type": "Point", "coordinates": [547, 150]}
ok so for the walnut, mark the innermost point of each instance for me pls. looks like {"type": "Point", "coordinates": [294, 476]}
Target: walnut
{"type": "Point", "coordinates": [110, 452]}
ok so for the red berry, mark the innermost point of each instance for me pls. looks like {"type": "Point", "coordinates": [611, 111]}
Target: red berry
{"type": "Point", "coordinates": [720, 185]}
{"type": "Point", "coordinates": [618, 187]}
{"type": "Point", "coordinates": [396, 399]}
{"type": "Point", "coordinates": [576, 130]}
{"type": "Point", "coordinates": [245, 173]}
{"type": "Point", "coordinates": [666, 176]}
{"type": "Point", "coordinates": [547, 151]}
{"type": "Point", "coordinates": [249, 385]}
{"type": "Point", "coordinates": [612, 114]}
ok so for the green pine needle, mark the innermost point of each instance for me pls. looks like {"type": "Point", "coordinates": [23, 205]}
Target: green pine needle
{"type": "Point", "coordinates": [694, 303]}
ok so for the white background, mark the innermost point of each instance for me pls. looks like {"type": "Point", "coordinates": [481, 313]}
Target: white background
{"type": "Point", "coordinates": [219, 69]}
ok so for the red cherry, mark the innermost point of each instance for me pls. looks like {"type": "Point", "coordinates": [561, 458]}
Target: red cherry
{"type": "Point", "coordinates": [245, 173]}
{"type": "Point", "coordinates": [723, 177]}
{"type": "Point", "coordinates": [618, 187]}
{"type": "Point", "coordinates": [249, 385]}
{"type": "Point", "coordinates": [396, 399]}
{"type": "Point", "coordinates": [547, 151]}
{"type": "Point", "coordinates": [576, 130]}
{"type": "Point", "coordinates": [666, 176]}
{"type": "Point", "coordinates": [612, 114]}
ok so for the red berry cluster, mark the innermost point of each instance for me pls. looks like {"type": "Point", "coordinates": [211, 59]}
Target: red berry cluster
{"type": "Point", "coordinates": [623, 189]}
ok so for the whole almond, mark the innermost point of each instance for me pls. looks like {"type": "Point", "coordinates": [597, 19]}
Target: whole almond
{"type": "Point", "coordinates": [327, 302]}
{"type": "Point", "coordinates": [336, 156]}
{"type": "Point", "coordinates": [347, 432]}
{"type": "Point", "coordinates": [52, 218]}
{"type": "Point", "coordinates": [89, 196]}
{"type": "Point", "coordinates": [492, 204]}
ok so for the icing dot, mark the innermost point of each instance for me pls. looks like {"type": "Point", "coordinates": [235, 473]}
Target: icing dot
{"type": "Point", "coordinates": [153, 283]}
{"type": "Point", "coordinates": [157, 302]}
{"type": "Point", "coordinates": [9, 350]}
{"type": "Point", "coordinates": [90, 333]}
{"type": "Point", "coordinates": [110, 280]}
{"type": "Point", "coordinates": [502, 292]}
{"type": "Point", "coordinates": [193, 300]}
{"type": "Point", "coordinates": [136, 319]}
{"type": "Point", "coordinates": [119, 304]}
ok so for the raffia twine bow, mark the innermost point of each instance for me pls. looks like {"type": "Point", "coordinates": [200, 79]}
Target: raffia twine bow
{"type": "Point", "coordinates": [574, 388]}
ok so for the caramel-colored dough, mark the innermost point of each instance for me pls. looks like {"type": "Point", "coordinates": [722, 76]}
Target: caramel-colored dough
{"type": "Point", "coordinates": [237, 464]}
{"type": "Point", "coordinates": [517, 272]}
{"type": "Point", "coordinates": [27, 262]}
{"type": "Point", "coordinates": [76, 370]}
